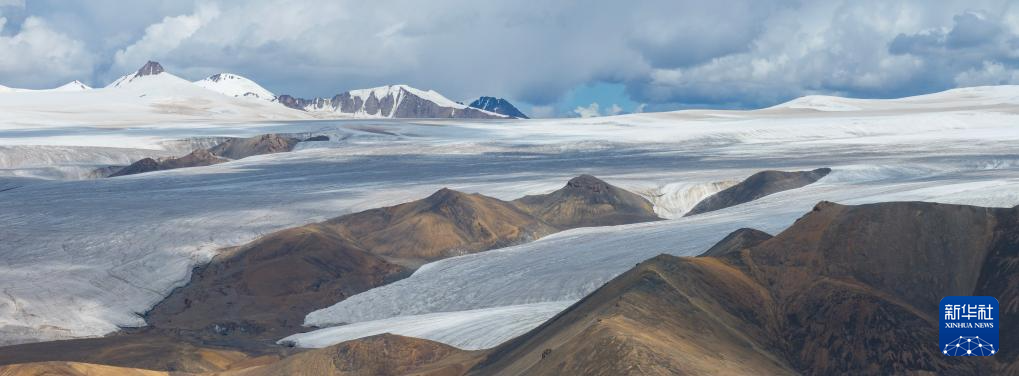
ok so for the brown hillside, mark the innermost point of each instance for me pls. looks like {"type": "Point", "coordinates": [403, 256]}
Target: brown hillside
{"type": "Point", "coordinates": [587, 201]}
{"type": "Point", "coordinates": [237, 148]}
{"type": "Point", "coordinates": [845, 290]}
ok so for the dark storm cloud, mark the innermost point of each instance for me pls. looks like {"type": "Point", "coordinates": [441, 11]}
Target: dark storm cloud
{"type": "Point", "coordinates": [667, 53]}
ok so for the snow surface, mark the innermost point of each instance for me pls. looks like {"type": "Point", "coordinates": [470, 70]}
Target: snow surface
{"type": "Point", "coordinates": [142, 101]}
{"type": "Point", "coordinates": [235, 86]}
{"type": "Point", "coordinates": [118, 246]}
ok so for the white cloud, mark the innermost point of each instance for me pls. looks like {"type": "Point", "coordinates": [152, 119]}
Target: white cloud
{"type": "Point", "coordinates": [594, 110]}
{"type": "Point", "coordinates": [12, 3]}
{"type": "Point", "coordinates": [162, 38]}
{"type": "Point", "coordinates": [36, 56]}
{"type": "Point", "coordinates": [678, 53]}
{"type": "Point", "coordinates": [991, 73]}
{"type": "Point", "coordinates": [590, 111]}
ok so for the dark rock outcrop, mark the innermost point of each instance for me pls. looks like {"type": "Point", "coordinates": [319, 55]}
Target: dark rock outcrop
{"type": "Point", "coordinates": [293, 102]}
{"type": "Point", "coordinates": [150, 68]}
{"type": "Point", "coordinates": [756, 186]}
{"type": "Point", "coordinates": [588, 201]}
{"type": "Point", "coordinates": [196, 158]}
{"type": "Point", "coordinates": [499, 106]}
{"type": "Point", "coordinates": [232, 148]}
{"type": "Point", "coordinates": [237, 148]}
{"type": "Point", "coordinates": [316, 138]}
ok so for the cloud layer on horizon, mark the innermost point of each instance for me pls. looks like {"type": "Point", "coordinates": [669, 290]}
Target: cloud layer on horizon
{"type": "Point", "coordinates": [667, 54]}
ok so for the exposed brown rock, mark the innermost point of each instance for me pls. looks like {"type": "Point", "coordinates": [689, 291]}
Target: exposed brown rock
{"type": "Point", "coordinates": [237, 148]}
{"type": "Point", "coordinates": [737, 241]}
{"type": "Point", "coordinates": [264, 289]}
{"type": "Point", "coordinates": [756, 186]}
{"type": "Point", "coordinates": [587, 201]}
{"type": "Point", "coordinates": [200, 157]}
{"type": "Point", "coordinates": [381, 355]}
{"type": "Point", "coordinates": [845, 290]}
{"type": "Point", "coordinates": [447, 223]}
{"type": "Point", "coordinates": [151, 351]}
{"type": "Point", "coordinates": [73, 369]}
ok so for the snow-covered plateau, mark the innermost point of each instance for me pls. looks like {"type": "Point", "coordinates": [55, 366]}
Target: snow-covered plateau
{"type": "Point", "coordinates": [87, 257]}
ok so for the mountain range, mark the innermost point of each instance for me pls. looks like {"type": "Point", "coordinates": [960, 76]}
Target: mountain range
{"type": "Point", "coordinates": [163, 93]}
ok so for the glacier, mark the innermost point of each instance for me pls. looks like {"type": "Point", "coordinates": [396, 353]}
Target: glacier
{"type": "Point", "coordinates": [82, 258]}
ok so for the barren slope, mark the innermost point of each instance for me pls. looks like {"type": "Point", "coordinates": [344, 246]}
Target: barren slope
{"type": "Point", "coordinates": [845, 290]}
{"type": "Point", "coordinates": [587, 201]}
{"type": "Point", "coordinates": [756, 186]}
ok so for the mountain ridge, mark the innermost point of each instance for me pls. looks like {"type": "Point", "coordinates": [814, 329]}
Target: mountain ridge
{"type": "Point", "coordinates": [390, 101]}
{"type": "Point", "coordinates": [499, 106]}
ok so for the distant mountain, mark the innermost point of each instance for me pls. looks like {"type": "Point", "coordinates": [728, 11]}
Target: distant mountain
{"type": "Point", "coordinates": [499, 106]}
{"type": "Point", "coordinates": [393, 101]}
{"type": "Point", "coordinates": [73, 86]}
{"type": "Point", "coordinates": [155, 93]}
{"type": "Point", "coordinates": [151, 68]}
{"type": "Point", "coordinates": [70, 86]}
{"type": "Point", "coordinates": [235, 86]}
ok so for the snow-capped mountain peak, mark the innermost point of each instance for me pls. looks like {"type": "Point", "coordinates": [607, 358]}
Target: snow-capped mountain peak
{"type": "Point", "coordinates": [150, 68]}
{"type": "Point", "coordinates": [499, 106]}
{"type": "Point", "coordinates": [70, 86]}
{"type": "Point", "coordinates": [73, 86]}
{"type": "Point", "coordinates": [390, 101]}
{"type": "Point", "coordinates": [235, 86]}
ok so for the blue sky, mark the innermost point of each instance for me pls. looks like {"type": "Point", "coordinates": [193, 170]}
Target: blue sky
{"type": "Point", "coordinates": [555, 58]}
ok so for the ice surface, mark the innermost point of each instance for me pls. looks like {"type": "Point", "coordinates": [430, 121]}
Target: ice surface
{"type": "Point", "coordinates": [458, 329]}
{"type": "Point", "coordinates": [82, 258]}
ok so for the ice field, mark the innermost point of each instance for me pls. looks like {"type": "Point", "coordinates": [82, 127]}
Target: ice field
{"type": "Point", "coordinates": [84, 257]}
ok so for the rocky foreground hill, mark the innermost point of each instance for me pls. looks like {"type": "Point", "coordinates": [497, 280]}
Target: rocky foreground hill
{"type": "Point", "coordinates": [844, 290]}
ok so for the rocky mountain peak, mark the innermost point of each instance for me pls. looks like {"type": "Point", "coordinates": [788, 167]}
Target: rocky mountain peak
{"type": "Point", "coordinates": [150, 68]}
{"type": "Point", "coordinates": [587, 183]}
{"type": "Point", "coordinates": [499, 106]}
{"type": "Point", "coordinates": [445, 196]}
